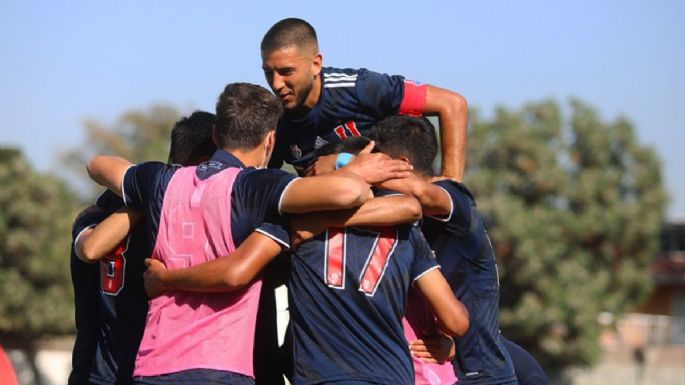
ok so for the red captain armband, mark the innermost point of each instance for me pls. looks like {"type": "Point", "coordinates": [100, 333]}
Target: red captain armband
{"type": "Point", "coordinates": [414, 99]}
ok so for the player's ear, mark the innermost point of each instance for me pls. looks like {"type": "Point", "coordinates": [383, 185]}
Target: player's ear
{"type": "Point", "coordinates": [405, 159]}
{"type": "Point", "coordinates": [269, 144]}
{"type": "Point", "coordinates": [317, 64]}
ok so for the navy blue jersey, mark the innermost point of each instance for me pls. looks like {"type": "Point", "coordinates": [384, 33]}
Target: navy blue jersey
{"type": "Point", "coordinates": [347, 294]}
{"type": "Point", "coordinates": [467, 260]}
{"type": "Point", "coordinates": [110, 303]}
{"type": "Point", "coordinates": [84, 278]}
{"type": "Point", "coordinates": [255, 197]}
{"type": "Point", "coordinates": [123, 303]}
{"type": "Point", "coordinates": [350, 102]}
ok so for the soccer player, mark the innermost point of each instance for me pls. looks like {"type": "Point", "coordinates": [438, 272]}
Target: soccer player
{"type": "Point", "coordinates": [110, 297]}
{"type": "Point", "coordinates": [325, 104]}
{"type": "Point", "coordinates": [431, 349]}
{"type": "Point", "coordinates": [347, 293]}
{"type": "Point", "coordinates": [84, 279]}
{"type": "Point", "coordinates": [200, 213]}
{"type": "Point", "coordinates": [456, 233]}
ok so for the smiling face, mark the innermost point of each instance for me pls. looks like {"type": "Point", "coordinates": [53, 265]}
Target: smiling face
{"type": "Point", "coordinates": [293, 75]}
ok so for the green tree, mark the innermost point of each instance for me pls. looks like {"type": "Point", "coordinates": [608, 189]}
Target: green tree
{"type": "Point", "coordinates": [573, 209]}
{"type": "Point", "coordinates": [36, 212]}
{"type": "Point", "coordinates": [137, 135]}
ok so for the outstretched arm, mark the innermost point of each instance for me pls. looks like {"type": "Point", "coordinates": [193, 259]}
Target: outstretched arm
{"type": "Point", "coordinates": [93, 244]}
{"type": "Point", "coordinates": [452, 315]}
{"type": "Point", "coordinates": [228, 273]}
{"type": "Point", "coordinates": [452, 111]}
{"type": "Point", "coordinates": [344, 188]}
{"type": "Point", "coordinates": [433, 199]}
{"type": "Point", "coordinates": [108, 171]}
{"type": "Point", "coordinates": [381, 211]}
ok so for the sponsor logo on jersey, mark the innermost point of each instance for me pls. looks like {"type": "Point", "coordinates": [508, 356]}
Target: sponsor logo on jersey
{"type": "Point", "coordinates": [319, 142]}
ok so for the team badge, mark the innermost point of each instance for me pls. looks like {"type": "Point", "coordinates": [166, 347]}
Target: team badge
{"type": "Point", "coordinates": [295, 151]}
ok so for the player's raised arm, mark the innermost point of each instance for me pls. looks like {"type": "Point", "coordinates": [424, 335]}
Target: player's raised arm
{"type": "Point", "coordinates": [97, 242]}
{"type": "Point", "coordinates": [453, 318]}
{"type": "Point", "coordinates": [108, 171]}
{"type": "Point", "coordinates": [228, 273]}
{"type": "Point", "coordinates": [452, 111]}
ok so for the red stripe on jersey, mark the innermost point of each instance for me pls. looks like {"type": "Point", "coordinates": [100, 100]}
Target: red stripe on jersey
{"type": "Point", "coordinates": [340, 131]}
{"type": "Point", "coordinates": [377, 261]}
{"type": "Point", "coordinates": [352, 127]}
{"type": "Point", "coordinates": [414, 99]}
{"type": "Point", "coordinates": [335, 257]}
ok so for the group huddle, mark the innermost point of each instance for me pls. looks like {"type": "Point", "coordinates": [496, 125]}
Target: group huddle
{"type": "Point", "coordinates": [390, 273]}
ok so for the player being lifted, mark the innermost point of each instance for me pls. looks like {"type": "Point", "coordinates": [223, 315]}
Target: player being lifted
{"type": "Point", "coordinates": [325, 104]}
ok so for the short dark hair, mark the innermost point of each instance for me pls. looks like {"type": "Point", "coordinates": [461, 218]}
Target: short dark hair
{"type": "Point", "coordinates": [291, 32]}
{"type": "Point", "coordinates": [191, 139]}
{"type": "Point", "coordinates": [414, 138]}
{"type": "Point", "coordinates": [350, 145]}
{"type": "Point", "coordinates": [245, 114]}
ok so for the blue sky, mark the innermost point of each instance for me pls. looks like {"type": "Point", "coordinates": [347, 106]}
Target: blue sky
{"type": "Point", "coordinates": [61, 62]}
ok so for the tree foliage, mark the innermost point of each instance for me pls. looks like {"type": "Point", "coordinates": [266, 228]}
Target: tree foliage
{"type": "Point", "coordinates": [36, 213]}
{"type": "Point", "coordinates": [573, 208]}
{"type": "Point", "coordinates": [137, 135]}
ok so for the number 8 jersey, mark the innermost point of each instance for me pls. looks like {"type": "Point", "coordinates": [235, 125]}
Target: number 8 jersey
{"type": "Point", "coordinates": [347, 294]}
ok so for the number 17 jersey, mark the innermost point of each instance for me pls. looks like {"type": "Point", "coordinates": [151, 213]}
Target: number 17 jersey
{"type": "Point", "coordinates": [347, 295]}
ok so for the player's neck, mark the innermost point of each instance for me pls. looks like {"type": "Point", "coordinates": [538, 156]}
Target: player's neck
{"type": "Point", "coordinates": [314, 93]}
{"type": "Point", "coordinates": [249, 158]}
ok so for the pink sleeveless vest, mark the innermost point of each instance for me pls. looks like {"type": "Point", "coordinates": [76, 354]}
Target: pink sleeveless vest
{"type": "Point", "coordinates": [420, 317]}
{"type": "Point", "coordinates": [197, 330]}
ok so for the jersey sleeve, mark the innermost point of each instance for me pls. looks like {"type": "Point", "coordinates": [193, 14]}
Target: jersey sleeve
{"type": "Point", "coordinates": [138, 184]}
{"type": "Point", "coordinates": [384, 95]}
{"type": "Point", "coordinates": [459, 219]}
{"type": "Point", "coordinates": [89, 217]}
{"type": "Point", "coordinates": [259, 192]}
{"type": "Point", "coordinates": [380, 94]}
{"type": "Point", "coordinates": [276, 231]}
{"type": "Point", "coordinates": [424, 259]}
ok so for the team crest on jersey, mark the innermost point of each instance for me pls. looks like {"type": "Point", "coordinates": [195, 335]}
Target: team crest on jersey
{"type": "Point", "coordinates": [295, 151]}
{"type": "Point", "coordinates": [347, 129]}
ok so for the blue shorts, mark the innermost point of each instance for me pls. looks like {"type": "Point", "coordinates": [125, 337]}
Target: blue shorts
{"type": "Point", "coordinates": [527, 369]}
{"type": "Point", "coordinates": [196, 376]}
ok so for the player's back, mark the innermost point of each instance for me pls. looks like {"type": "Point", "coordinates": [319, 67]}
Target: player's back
{"type": "Point", "coordinates": [467, 261]}
{"type": "Point", "coordinates": [187, 330]}
{"type": "Point", "coordinates": [347, 295]}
